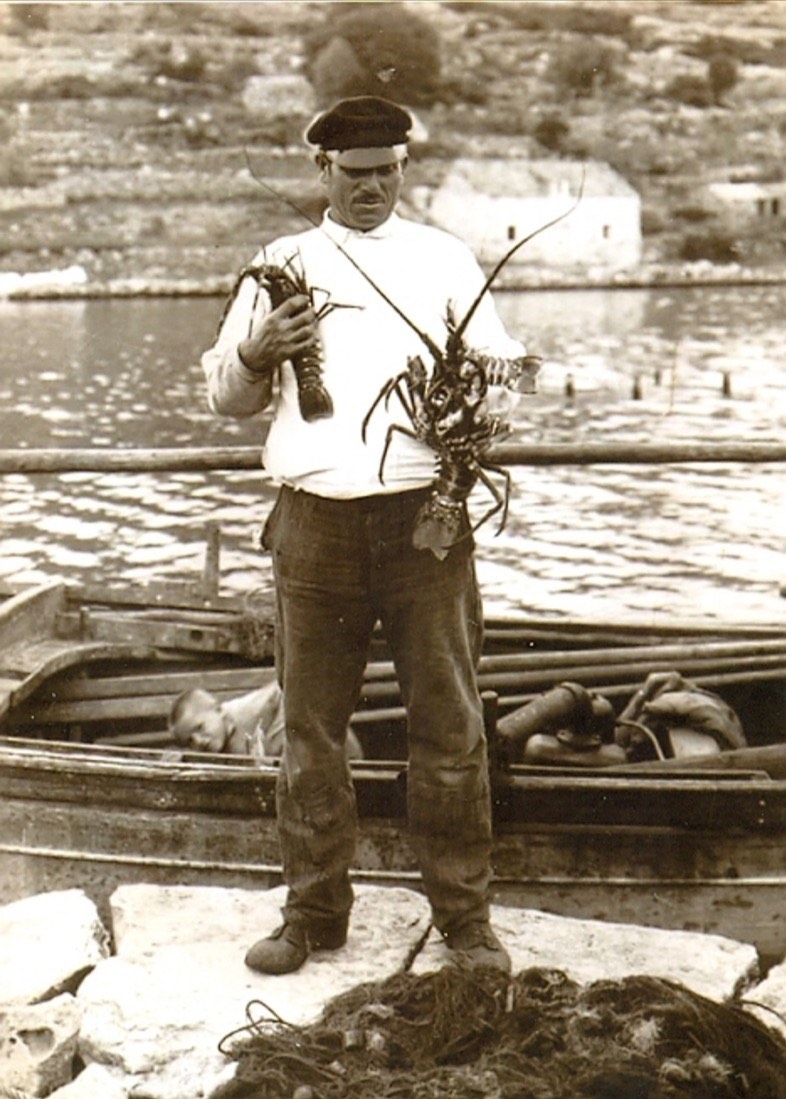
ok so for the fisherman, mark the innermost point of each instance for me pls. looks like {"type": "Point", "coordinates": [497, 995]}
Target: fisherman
{"type": "Point", "coordinates": [251, 724]}
{"type": "Point", "coordinates": [341, 534]}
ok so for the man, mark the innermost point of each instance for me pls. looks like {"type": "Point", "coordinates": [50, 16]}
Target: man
{"type": "Point", "coordinates": [341, 531]}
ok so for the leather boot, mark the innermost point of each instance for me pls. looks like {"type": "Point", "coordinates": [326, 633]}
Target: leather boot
{"type": "Point", "coordinates": [285, 950]}
{"type": "Point", "coordinates": [476, 946]}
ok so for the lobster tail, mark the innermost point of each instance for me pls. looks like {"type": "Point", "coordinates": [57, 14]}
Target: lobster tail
{"type": "Point", "coordinates": [313, 399]}
{"type": "Point", "coordinates": [315, 404]}
{"type": "Point", "coordinates": [438, 523]}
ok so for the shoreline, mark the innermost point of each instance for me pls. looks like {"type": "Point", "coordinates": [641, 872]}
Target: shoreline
{"type": "Point", "coordinates": [646, 278]}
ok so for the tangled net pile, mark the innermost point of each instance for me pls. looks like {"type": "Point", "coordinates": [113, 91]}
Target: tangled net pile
{"type": "Point", "coordinates": [454, 1034]}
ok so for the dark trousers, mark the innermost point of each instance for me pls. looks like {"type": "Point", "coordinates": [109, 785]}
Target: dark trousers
{"type": "Point", "coordinates": [340, 566]}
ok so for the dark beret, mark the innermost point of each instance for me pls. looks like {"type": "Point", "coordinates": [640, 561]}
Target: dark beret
{"type": "Point", "coordinates": [363, 122]}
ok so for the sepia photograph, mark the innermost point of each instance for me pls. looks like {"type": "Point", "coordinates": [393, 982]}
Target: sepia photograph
{"type": "Point", "coordinates": [393, 549]}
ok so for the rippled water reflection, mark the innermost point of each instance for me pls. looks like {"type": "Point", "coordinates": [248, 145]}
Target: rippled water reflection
{"type": "Point", "coordinates": [643, 365]}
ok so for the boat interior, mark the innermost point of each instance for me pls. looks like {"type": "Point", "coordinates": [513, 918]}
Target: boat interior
{"type": "Point", "coordinates": [103, 668]}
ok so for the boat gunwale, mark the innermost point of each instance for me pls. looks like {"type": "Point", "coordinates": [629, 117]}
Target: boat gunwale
{"type": "Point", "coordinates": [93, 760]}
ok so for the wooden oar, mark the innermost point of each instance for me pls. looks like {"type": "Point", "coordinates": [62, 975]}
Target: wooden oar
{"type": "Point", "coordinates": [114, 698]}
{"type": "Point", "coordinates": [709, 651]}
{"type": "Point", "coordinates": [770, 758]}
{"type": "Point", "coordinates": [587, 454]}
{"type": "Point", "coordinates": [179, 459]}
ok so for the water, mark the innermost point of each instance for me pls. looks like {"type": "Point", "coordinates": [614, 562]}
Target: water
{"type": "Point", "coordinates": [702, 540]}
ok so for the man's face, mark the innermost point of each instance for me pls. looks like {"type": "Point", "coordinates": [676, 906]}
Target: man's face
{"type": "Point", "coordinates": [362, 198]}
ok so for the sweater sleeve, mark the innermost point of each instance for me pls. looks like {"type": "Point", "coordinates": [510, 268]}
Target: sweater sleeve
{"type": "Point", "coordinates": [232, 389]}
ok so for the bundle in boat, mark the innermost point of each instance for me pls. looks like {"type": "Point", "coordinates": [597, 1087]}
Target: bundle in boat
{"type": "Point", "coordinates": [454, 1034]}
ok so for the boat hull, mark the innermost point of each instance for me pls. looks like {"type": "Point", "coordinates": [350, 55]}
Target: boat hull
{"type": "Point", "coordinates": [92, 795]}
{"type": "Point", "coordinates": [701, 853]}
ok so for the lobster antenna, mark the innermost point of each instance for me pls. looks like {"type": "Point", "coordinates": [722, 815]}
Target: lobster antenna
{"type": "Point", "coordinates": [430, 344]}
{"type": "Point", "coordinates": [511, 251]}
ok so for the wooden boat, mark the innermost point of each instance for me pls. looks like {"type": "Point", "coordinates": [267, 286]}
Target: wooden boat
{"type": "Point", "coordinates": [92, 794]}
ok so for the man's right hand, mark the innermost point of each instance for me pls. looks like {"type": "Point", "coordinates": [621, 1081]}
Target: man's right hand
{"type": "Point", "coordinates": [279, 334]}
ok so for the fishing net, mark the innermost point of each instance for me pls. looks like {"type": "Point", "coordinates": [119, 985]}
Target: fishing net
{"type": "Point", "coordinates": [456, 1034]}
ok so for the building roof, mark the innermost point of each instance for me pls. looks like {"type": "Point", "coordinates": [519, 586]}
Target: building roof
{"type": "Point", "coordinates": [501, 177]}
{"type": "Point", "coordinates": [747, 192]}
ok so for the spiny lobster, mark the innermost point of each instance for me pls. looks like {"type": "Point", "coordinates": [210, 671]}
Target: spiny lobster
{"type": "Point", "coordinates": [447, 411]}
{"type": "Point", "coordinates": [282, 282]}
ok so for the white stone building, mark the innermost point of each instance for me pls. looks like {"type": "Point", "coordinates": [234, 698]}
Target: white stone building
{"type": "Point", "coordinates": [747, 203]}
{"type": "Point", "coordinates": [492, 203]}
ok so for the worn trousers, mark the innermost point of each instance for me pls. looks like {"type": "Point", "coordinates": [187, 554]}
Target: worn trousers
{"type": "Point", "coordinates": [341, 566]}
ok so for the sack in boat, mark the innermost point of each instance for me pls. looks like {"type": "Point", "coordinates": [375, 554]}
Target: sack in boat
{"type": "Point", "coordinates": [696, 710]}
{"type": "Point", "coordinates": [670, 717]}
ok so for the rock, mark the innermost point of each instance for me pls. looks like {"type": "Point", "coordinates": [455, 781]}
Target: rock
{"type": "Point", "coordinates": [95, 1082]}
{"type": "Point", "coordinates": [591, 950]}
{"type": "Point", "coordinates": [47, 942]}
{"type": "Point", "coordinates": [768, 1000]}
{"type": "Point", "coordinates": [14, 284]}
{"type": "Point", "coordinates": [37, 1045]}
{"type": "Point", "coordinates": [179, 984]}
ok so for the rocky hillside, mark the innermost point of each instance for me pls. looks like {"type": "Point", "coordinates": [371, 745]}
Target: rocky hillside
{"type": "Point", "coordinates": [128, 129]}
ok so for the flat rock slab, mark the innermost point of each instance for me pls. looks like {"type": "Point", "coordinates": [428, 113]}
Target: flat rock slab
{"type": "Point", "coordinates": [768, 999]}
{"type": "Point", "coordinates": [94, 1082]}
{"type": "Point", "coordinates": [178, 983]}
{"type": "Point", "coordinates": [155, 1013]}
{"type": "Point", "coordinates": [592, 950]}
{"type": "Point", "coordinates": [47, 943]}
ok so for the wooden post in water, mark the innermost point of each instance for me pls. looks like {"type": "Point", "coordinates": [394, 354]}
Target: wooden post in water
{"type": "Point", "coordinates": [211, 573]}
